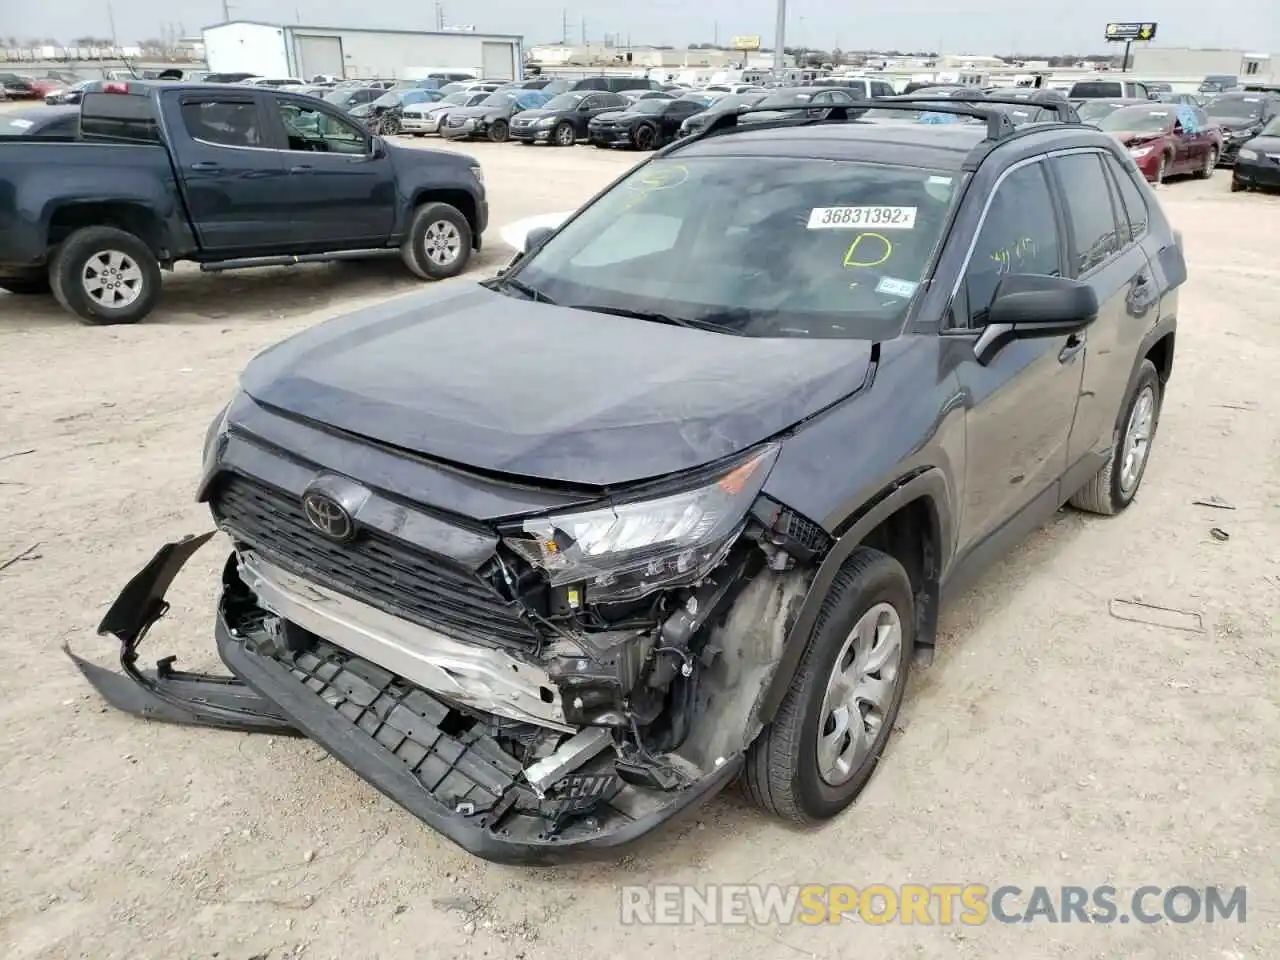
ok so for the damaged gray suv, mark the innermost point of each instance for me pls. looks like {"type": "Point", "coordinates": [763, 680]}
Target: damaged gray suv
{"type": "Point", "coordinates": [674, 500]}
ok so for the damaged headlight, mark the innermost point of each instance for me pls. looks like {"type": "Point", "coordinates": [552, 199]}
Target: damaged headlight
{"type": "Point", "coordinates": [627, 550]}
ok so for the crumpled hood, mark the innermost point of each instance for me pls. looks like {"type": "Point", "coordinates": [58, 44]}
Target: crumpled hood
{"type": "Point", "coordinates": [1131, 139]}
{"type": "Point", "coordinates": [480, 379]}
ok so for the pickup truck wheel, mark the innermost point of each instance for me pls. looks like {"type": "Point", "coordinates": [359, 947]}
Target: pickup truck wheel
{"type": "Point", "coordinates": [26, 286]}
{"type": "Point", "coordinates": [822, 747]}
{"type": "Point", "coordinates": [104, 275]}
{"type": "Point", "coordinates": [439, 242]}
{"type": "Point", "coordinates": [1115, 485]}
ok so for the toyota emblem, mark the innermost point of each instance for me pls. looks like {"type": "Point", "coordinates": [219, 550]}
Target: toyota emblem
{"type": "Point", "coordinates": [328, 516]}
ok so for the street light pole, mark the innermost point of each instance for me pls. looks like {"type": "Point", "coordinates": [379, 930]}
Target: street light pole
{"type": "Point", "coordinates": [779, 37]}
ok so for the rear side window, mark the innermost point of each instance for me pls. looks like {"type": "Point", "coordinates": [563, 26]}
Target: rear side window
{"type": "Point", "coordinates": [224, 123]}
{"type": "Point", "coordinates": [1089, 211]}
{"type": "Point", "coordinates": [1098, 88]}
{"type": "Point", "coordinates": [119, 116]}
{"type": "Point", "coordinates": [1131, 200]}
{"type": "Point", "coordinates": [881, 89]}
{"type": "Point", "coordinates": [1019, 235]}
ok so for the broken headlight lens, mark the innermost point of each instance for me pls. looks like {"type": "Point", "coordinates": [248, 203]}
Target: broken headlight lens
{"type": "Point", "coordinates": [628, 550]}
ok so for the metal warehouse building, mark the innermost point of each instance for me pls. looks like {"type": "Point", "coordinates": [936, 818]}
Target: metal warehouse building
{"type": "Point", "coordinates": [272, 50]}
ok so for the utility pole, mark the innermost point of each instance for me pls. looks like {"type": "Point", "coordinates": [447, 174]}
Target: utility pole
{"type": "Point", "coordinates": [111, 19]}
{"type": "Point", "coordinates": [564, 26]}
{"type": "Point", "coordinates": [715, 34]}
{"type": "Point", "coordinates": [584, 31]}
{"type": "Point", "coordinates": [226, 11]}
{"type": "Point", "coordinates": [780, 37]}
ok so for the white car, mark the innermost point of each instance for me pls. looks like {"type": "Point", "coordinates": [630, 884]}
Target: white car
{"type": "Point", "coordinates": [420, 119]}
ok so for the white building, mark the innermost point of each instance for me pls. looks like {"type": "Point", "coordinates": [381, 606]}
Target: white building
{"type": "Point", "coordinates": [272, 50]}
{"type": "Point", "coordinates": [1155, 62]}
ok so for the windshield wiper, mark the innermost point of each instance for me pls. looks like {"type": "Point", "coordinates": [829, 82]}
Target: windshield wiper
{"type": "Point", "coordinates": [521, 287]}
{"type": "Point", "coordinates": [655, 317]}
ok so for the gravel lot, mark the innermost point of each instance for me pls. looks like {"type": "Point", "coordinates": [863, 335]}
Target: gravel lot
{"type": "Point", "coordinates": [1050, 743]}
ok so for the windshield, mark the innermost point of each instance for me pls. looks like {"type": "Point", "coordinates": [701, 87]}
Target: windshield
{"type": "Point", "coordinates": [566, 101]}
{"type": "Point", "coordinates": [499, 99]}
{"type": "Point", "coordinates": [1137, 120]}
{"type": "Point", "coordinates": [340, 96]}
{"type": "Point", "coordinates": [755, 246]}
{"type": "Point", "coordinates": [1235, 108]}
{"type": "Point", "coordinates": [1097, 88]}
{"type": "Point", "coordinates": [1272, 129]}
{"type": "Point", "coordinates": [1094, 110]}
{"type": "Point", "coordinates": [648, 106]}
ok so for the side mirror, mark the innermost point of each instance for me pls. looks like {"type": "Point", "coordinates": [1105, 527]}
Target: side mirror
{"type": "Point", "coordinates": [377, 149]}
{"type": "Point", "coordinates": [536, 237]}
{"type": "Point", "coordinates": [1030, 306]}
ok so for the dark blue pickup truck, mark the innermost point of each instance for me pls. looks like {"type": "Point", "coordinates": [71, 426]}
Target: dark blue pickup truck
{"type": "Point", "coordinates": [227, 177]}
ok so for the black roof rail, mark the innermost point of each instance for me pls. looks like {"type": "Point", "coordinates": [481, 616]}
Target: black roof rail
{"type": "Point", "coordinates": [998, 123]}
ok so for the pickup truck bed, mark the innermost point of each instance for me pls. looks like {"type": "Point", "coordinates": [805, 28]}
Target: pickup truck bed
{"type": "Point", "coordinates": [227, 177]}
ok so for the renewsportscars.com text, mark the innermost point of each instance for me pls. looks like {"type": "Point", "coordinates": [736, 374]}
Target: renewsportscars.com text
{"type": "Point", "coordinates": [938, 904]}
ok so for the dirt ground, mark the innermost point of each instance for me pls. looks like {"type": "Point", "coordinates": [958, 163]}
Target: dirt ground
{"type": "Point", "coordinates": [1050, 743]}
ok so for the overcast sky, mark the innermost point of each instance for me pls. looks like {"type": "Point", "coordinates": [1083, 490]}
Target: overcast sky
{"type": "Point", "coordinates": [984, 26]}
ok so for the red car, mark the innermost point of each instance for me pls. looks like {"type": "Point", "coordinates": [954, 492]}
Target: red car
{"type": "Point", "coordinates": [1166, 139]}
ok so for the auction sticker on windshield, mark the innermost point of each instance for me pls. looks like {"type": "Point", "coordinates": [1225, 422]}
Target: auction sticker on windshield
{"type": "Point", "coordinates": [852, 218]}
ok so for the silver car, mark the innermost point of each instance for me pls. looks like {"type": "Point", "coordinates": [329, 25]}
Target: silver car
{"type": "Point", "coordinates": [420, 119]}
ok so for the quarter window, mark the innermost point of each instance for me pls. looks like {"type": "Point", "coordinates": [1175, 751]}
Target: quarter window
{"type": "Point", "coordinates": [227, 124]}
{"type": "Point", "coordinates": [1018, 236]}
{"type": "Point", "coordinates": [1131, 199]}
{"type": "Point", "coordinates": [1089, 210]}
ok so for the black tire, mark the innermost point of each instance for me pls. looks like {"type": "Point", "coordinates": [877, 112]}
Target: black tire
{"type": "Point", "coordinates": [419, 134]}
{"type": "Point", "coordinates": [415, 249]}
{"type": "Point", "coordinates": [1106, 493]}
{"type": "Point", "coordinates": [498, 131]}
{"type": "Point", "coordinates": [1236, 185]}
{"type": "Point", "coordinates": [781, 773]}
{"type": "Point", "coordinates": [1210, 162]}
{"type": "Point", "coordinates": [27, 286]}
{"type": "Point", "coordinates": [645, 137]}
{"type": "Point", "coordinates": [564, 135]}
{"type": "Point", "coordinates": [73, 260]}
{"type": "Point", "coordinates": [599, 146]}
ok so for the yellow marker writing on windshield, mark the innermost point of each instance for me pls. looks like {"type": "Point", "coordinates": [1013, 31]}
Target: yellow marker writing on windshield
{"type": "Point", "coordinates": [868, 250]}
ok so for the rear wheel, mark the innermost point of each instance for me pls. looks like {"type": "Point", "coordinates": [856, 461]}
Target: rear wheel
{"type": "Point", "coordinates": [1236, 186]}
{"type": "Point", "coordinates": [439, 242]}
{"type": "Point", "coordinates": [1211, 161]}
{"type": "Point", "coordinates": [820, 750]}
{"type": "Point", "coordinates": [104, 275]}
{"type": "Point", "coordinates": [566, 136]}
{"type": "Point", "coordinates": [1116, 484]}
{"type": "Point", "coordinates": [498, 131]}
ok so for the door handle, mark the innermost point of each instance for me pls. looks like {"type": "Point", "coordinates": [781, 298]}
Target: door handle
{"type": "Point", "coordinates": [1071, 349]}
{"type": "Point", "coordinates": [207, 166]}
{"type": "Point", "coordinates": [301, 168]}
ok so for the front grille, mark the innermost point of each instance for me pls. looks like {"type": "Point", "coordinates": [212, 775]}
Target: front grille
{"type": "Point", "coordinates": [457, 121]}
{"type": "Point", "coordinates": [395, 576]}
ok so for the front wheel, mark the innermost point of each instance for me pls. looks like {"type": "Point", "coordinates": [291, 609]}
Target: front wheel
{"type": "Point", "coordinates": [439, 242]}
{"type": "Point", "coordinates": [566, 136]}
{"type": "Point", "coordinates": [820, 750]}
{"type": "Point", "coordinates": [1116, 484]}
{"type": "Point", "coordinates": [104, 275]}
{"type": "Point", "coordinates": [498, 131]}
{"type": "Point", "coordinates": [1211, 161]}
{"type": "Point", "coordinates": [645, 137]}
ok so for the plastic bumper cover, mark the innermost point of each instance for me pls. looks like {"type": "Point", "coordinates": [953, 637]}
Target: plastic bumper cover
{"type": "Point", "coordinates": [394, 735]}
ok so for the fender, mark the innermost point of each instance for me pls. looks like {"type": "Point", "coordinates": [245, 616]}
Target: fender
{"type": "Point", "coordinates": [931, 485]}
{"type": "Point", "coordinates": [1163, 327]}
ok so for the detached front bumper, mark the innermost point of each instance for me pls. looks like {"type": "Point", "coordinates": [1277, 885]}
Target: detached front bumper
{"type": "Point", "coordinates": [401, 739]}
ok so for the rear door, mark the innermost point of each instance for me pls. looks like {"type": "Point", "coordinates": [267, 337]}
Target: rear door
{"type": "Point", "coordinates": [232, 177]}
{"type": "Point", "coordinates": [1105, 250]}
{"type": "Point", "coordinates": [340, 193]}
